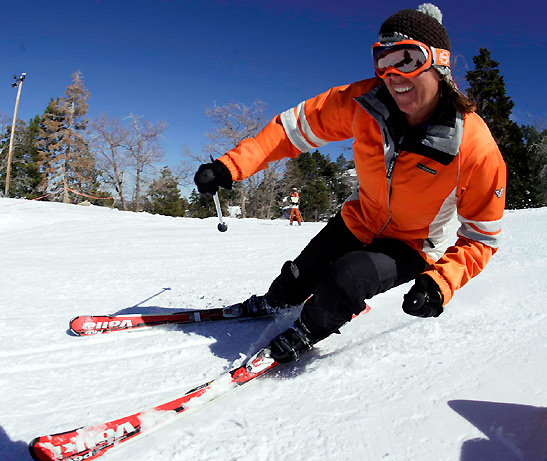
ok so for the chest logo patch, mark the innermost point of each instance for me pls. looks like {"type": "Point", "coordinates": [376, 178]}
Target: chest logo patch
{"type": "Point", "coordinates": [427, 169]}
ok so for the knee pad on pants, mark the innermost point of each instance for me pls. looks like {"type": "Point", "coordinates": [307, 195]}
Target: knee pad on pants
{"type": "Point", "coordinates": [343, 291]}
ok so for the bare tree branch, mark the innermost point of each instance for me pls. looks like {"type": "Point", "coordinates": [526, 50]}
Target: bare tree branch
{"type": "Point", "coordinates": [143, 144]}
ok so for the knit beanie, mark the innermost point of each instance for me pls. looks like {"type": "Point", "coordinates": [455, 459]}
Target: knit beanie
{"type": "Point", "coordinates": [424, 25]}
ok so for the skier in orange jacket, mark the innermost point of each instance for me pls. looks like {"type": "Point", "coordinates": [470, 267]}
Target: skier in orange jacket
{"type": "Point", "coordinates": [422, 155]}
{"type": "Point", "coordinates": [295, 203]}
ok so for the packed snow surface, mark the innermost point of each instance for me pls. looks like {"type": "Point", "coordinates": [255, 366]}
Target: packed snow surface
{"type": "Point", "coordinates": [469, 385]}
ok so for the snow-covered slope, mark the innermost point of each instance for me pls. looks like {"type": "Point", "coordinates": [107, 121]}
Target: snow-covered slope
{"type": "Point", "coordinates": [470, 385]}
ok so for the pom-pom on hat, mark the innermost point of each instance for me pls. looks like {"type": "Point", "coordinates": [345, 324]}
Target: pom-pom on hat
{"type": "Point", "coordinates": [423, 24]}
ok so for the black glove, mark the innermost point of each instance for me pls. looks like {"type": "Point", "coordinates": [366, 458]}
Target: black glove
{"type": "Point", "coordinates": [210, 176]}
{"type": "Point", "coordinates": [424, 299]}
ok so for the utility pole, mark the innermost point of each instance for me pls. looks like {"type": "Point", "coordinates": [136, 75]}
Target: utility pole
{"type": "Point", "coordinates": [19, 83]}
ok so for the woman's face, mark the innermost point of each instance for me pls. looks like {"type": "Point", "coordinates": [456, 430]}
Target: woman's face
{"type": "Point", "coordinates": [417, 97]}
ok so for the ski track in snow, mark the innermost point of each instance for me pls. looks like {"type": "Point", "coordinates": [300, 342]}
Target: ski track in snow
{"type": "Point", "coordinates": [470, 385]}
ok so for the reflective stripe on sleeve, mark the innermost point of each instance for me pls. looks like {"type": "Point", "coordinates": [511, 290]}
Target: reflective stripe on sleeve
{"type": "Point", "coordinates": [298, 129]}
{"type": "Point", "coordinates": [487, 232]}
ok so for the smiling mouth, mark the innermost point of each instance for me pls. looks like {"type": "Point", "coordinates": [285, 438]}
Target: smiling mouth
{"type": "Point", "coordinates": [405, 89]}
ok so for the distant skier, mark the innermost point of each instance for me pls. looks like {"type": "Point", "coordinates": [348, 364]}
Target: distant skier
{"type": "Point", "coordinates": [421, 155]}
{"type": "Point", "coordinates": [295, 203]}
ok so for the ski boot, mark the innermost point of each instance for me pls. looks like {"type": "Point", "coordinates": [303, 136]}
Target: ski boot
{"type": "Point", "coordinates": [257, 306]}
{"type": "Point", "coordinates": [289, 345]}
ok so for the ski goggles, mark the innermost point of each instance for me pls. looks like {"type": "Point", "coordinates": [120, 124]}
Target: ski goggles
{"type": "Point", "coordinates": [407, 58]}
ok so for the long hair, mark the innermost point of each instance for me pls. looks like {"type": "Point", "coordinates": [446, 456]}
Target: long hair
{"type": "Point", "coordinates": [460, 101]}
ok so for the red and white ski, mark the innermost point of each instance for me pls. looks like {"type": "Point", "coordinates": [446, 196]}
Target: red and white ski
{"type": "Point", "coordinates": [86, 443]}
{"type": "Point", "coordinates": [85, 325]}
{"type": "Point", "coordinates": [92, 324]}
{"type": "Point", "coordinates": [91, 442]}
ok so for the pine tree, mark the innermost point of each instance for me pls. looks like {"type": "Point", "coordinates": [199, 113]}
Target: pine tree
{"type": "Point", "coordinates": [324, 185]}
{"type": "Point", "coordinates": [64, 158]}
{"type": "Point", "coordinates": [24, 177]}
{"type": "Point", "coordinates": [314, 189]}
{"type": "Point", "coordinates": [536, 146]}
{"type": "Point", "coordinates": [201, 205]}
{"type": "Point", "coordinates": [487, 89]}
{"type": "Point", "coordinates": [343, 183]}
{"type": "Point", "coordinates": [164, 196]}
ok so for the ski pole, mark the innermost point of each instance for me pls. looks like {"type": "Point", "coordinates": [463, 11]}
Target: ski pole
{"type": "Point", "coordinates": [222, 227]}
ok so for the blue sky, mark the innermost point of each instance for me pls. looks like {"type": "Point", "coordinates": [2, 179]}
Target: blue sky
{"type": "Point", "coordinates": [170, 60]}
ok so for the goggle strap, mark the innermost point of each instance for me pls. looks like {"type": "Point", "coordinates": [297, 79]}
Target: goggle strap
{"type": "Point", "coordinates": [440, 57]}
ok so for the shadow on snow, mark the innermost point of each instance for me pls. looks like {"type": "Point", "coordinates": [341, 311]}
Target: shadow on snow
{"type": "Point", "coordinates": [515, 432]}
{"type": "Point", "coordinates": [11, 450]}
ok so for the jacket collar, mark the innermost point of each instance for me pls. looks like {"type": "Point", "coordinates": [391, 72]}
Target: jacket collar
{"type": "Point", "coordinates": [438, 139]}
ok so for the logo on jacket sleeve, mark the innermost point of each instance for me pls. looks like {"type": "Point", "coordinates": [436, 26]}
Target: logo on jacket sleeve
{"type": "Point", "coordinates": [499, 192]}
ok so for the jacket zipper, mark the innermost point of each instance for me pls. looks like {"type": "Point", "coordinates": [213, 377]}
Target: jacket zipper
{"type": "Point", "coordinates": [389, 176]}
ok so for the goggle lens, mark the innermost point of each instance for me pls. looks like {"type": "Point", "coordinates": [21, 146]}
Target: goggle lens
{"type": "Point", "coordinates": [402, 58]}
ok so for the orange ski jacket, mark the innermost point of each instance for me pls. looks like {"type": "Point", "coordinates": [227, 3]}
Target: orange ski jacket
{"type": "Point", "coordinates": [295, 200]}
{"type": "Point", "coordinates": [412, 180]}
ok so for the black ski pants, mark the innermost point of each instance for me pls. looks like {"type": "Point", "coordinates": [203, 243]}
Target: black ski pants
{"type": "Point", "coordinates": [341, 273]}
